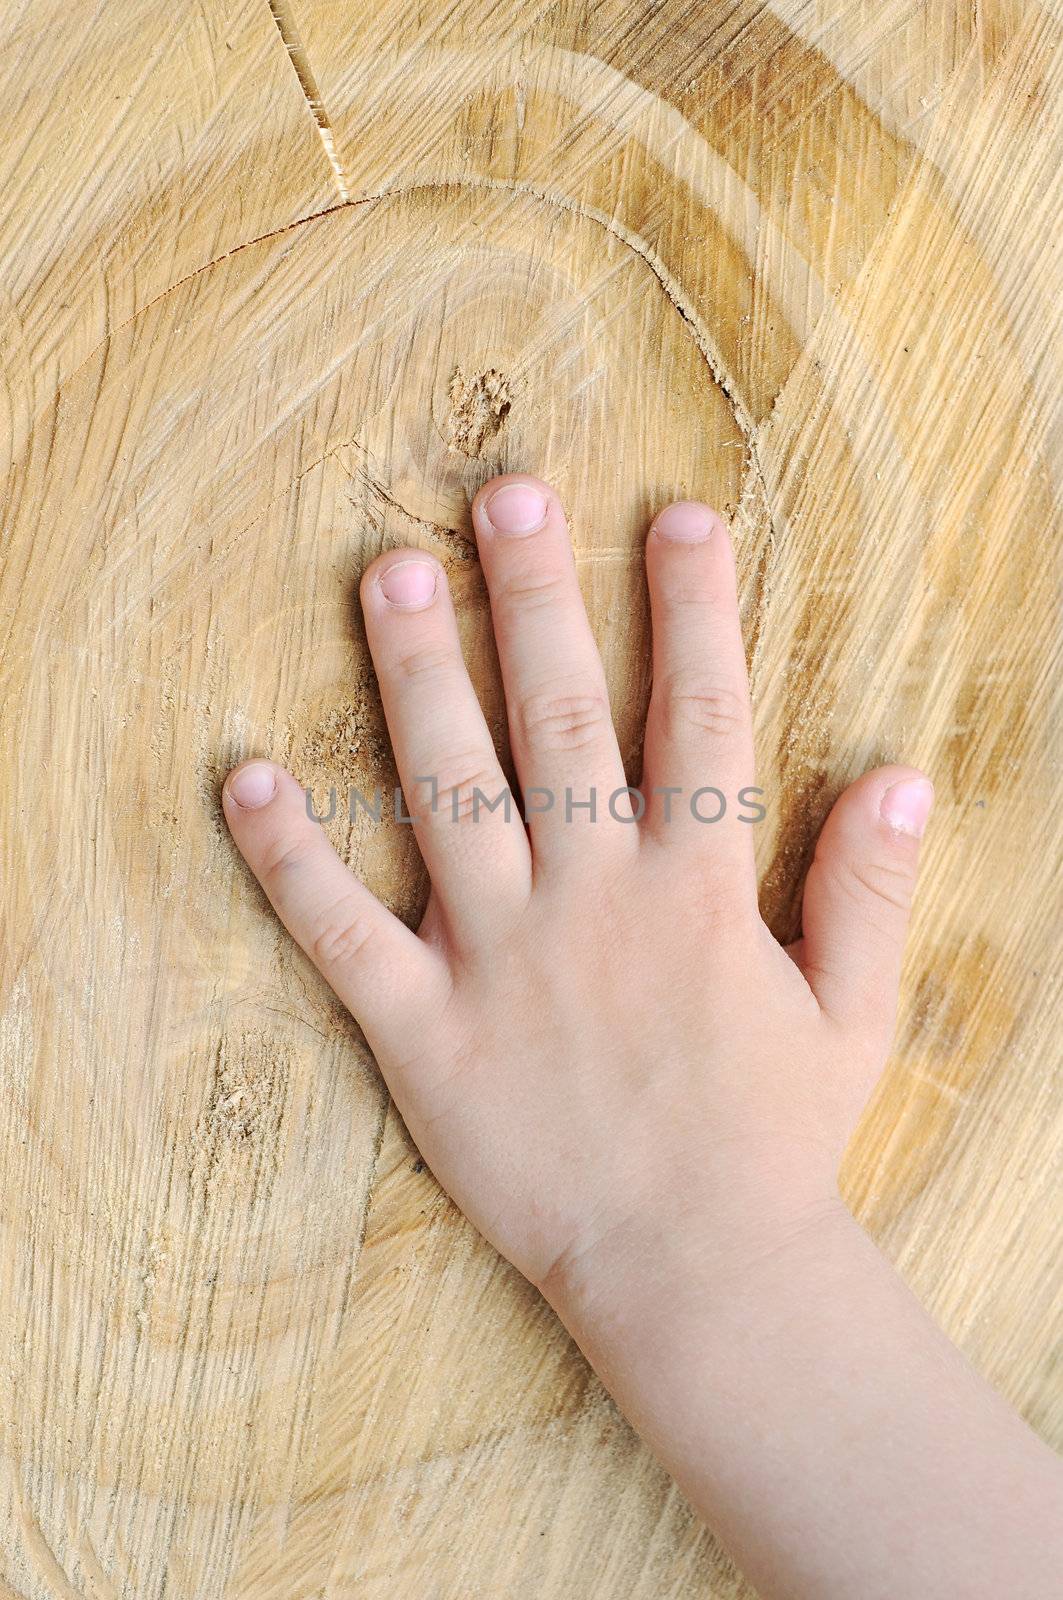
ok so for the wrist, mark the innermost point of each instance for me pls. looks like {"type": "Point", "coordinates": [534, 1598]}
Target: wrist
{"type": "Point", "coordinates": [690, 1257]}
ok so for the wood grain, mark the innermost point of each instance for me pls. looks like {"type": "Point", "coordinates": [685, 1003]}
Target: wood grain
{"type": "Point", "coordinates": [282, 284]}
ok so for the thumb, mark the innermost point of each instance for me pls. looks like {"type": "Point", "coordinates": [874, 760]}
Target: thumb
{"type": "Point", "coordinates": [858, 895]}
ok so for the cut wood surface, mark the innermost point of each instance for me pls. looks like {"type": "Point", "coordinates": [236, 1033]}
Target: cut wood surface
{"type": "Point", "coordinates": [282, 282]}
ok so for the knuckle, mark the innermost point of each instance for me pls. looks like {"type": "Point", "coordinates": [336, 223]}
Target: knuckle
{"type": "Point", "coordinates": [462, 791]}
{"type": "Point", "coordinates": [573, 721]}
{"type": "Point", "coordinates": [724, 910]}
{"type": "Point", "coordinates": [691, 593]}
{"type": "Point", "coordinates": [713, 708]}
{"type": "Point", "coordinates": [532, 590]}
{"type": "Point", "coordinates": [876, 883]}
{"type": "Point", "coordinates": [426, 661]}
{"type": "Point", "coordinates": [285, 855]}
{"type": "Point", "coordinates": [341, 939]}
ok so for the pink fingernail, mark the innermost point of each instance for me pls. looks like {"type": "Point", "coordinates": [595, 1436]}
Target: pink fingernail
{"type": "Point", "coordinates": [252, 786]}
{"type": "Point", "coordinates": [410, 585]}
{"type": "Point", "coordinates": [685, 521]}
{"type": "Point", "coordinates": [905, 806]}
{"type": "Point", "coordinates": [516, 508]}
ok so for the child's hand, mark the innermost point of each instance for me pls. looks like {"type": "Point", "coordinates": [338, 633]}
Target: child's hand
{"type": "Point", "coordinates": [594, 1031]}
{"type": "Point", "coordinates": [635, 1093]}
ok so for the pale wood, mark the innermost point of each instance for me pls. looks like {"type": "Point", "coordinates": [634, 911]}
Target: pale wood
{"type": "Point", "coordinates": [282, 284]}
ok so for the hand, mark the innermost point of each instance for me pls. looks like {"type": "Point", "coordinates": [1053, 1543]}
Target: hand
{"type": "Point", "coordinates": [596, 1044]}
{"type": "Point", "coordinates": [636, 1094]}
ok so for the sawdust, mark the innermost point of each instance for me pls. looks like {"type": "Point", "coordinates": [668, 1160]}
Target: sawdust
{"type": "Point", "coordinates": [340, 745]}
{"type": "Point", "coordinates": [346, 742]}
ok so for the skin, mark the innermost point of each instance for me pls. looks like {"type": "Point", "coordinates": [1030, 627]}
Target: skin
{"type": "Point", "coordinates": [641, 1098]}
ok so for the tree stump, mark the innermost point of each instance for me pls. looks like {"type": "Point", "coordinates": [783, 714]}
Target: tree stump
{"type": "Point", "coordinates": [283, 283]}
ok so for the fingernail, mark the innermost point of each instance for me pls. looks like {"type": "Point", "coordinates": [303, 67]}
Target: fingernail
{"type": "Point", "coordinates": [253, 785]}
{"type": "Point", "coordinates": [685, 521]}
{"type": "Point", "coordinates": [410, 585]}
{"type": "Point", "coordinates": [516, 508]}
{"type": "Point", "coordinates": [906, 806]}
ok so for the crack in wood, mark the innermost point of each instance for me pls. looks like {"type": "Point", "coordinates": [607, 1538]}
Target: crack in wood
{"type": "Point", "coordinates": [281, 12]}
{"type": "Point", "coordinates": [628, 237]}
{"type": "Point", "coordinates": [462, 545]}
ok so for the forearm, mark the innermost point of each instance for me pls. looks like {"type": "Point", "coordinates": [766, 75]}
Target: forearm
{"type": "Point", "coordinates": [820, 1422]}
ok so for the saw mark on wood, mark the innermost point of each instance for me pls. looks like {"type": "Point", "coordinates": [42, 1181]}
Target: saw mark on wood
{"type": "Point", "coordinates": [281, 12]}
{"type": "Point", "coordinates": [45, 1561]}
